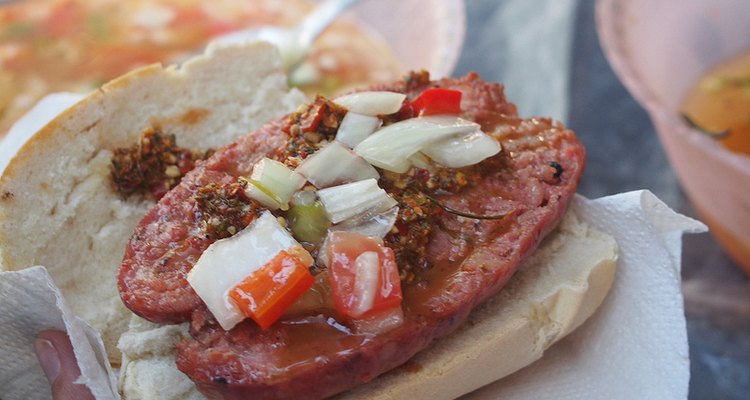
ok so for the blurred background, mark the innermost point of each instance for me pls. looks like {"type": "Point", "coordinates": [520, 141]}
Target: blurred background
{"type": "Point", "coordinates": [624, 153]}
{"type": "Point", "coordinates": [547, 52]}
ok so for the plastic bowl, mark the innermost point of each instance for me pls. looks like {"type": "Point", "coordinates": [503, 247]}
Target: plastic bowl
{"type": "Point", "coordinates": [424, 34]}
{"type": "Point", "coordinates": [660, 49]}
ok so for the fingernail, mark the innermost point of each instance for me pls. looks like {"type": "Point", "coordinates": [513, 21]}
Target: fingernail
{"type": "Point", "coordinates": [48, 358]}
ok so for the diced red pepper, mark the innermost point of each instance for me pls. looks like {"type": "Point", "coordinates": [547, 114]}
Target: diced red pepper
{"type": "Point", "coordinates": [269, 291]}
{"type": "Point", "coordinates": [344, 248]}
{"type": "Point", "coordinates": [437, 101]}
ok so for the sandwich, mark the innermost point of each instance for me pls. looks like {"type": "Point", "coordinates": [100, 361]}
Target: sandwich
{"type": "Point", "coordinates": [389, 237]}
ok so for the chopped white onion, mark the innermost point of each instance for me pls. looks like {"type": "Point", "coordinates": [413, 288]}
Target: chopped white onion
{"type": "Point", "coordinates": [377, 226]}
{"type": "Point", "coordinates": [304, 198]}
{"type": "Point", "coordinates": [362, 199]}
{"type": "Point", "coordinates": [227, 262]}
{"type": "Point", "coordinates": [273, 184]}
{"type": "Point", "coordinates": [323, 252]}
{"type": "Point", "coordinates": [334, 164]}
{"type": "Point", "coordinates": [266, 200]}
{"type": "Point", "coordinates": [355, 128]}
{"type": "Point", "coordinates": [457, 152]}
{"type": "Point", "coordinates": [366, 274]}
{"type": "Point", "coordinates": [420, 160]}
{"type": "Point", "coordinates": [372, 103]}
{"type": "Point", "coordinates": [390, 147]}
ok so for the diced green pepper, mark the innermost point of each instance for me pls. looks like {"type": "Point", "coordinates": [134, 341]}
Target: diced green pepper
{"type": "Point", "coordinates": [309, 222]}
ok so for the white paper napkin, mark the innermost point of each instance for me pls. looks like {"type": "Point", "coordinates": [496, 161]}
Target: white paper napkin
{"type": "Point", "coordinates": [29, 304]}
{"type": "Point", "coordinates": [635, 346]}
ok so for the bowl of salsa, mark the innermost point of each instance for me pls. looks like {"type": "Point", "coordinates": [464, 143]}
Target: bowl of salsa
{"type": "Point", "coordinates": [688, 64]}
{"type": "Point", "coordinates": [76, 45]}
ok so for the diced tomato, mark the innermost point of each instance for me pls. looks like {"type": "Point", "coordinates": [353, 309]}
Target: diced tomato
{"type": "Point", "coordinates": [189, 16]}
{"type": "Point", "coordinates": [65, 17]}
{"type": "Point", "coordinates": [218, 27]}
{"type": "Point", "coordinates": [437, 101]}
{"type": "Point", "coordinates": [363, 273]}
{"type": "Point", "coordinates": [269, 291]}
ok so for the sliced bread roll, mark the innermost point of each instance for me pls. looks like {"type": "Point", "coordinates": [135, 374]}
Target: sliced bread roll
{"type": "Point", "coordinates": [57, 205]}
{"type": "Point", "coordinates": [553, 293]}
